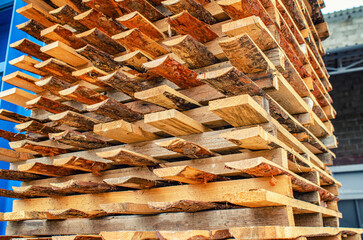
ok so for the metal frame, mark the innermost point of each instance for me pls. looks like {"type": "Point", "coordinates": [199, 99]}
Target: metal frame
{"type": "Point", "coordinates": [335, 60]}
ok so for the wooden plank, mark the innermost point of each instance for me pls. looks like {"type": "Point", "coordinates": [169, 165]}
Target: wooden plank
{"type": "Point", "coordinates": [132, 182]}
{"type": "Point", "coordinates": [10, 136]}
{"type": "Point", "coordinates": [79, 140]}
{"type": "Point", "coordinates": [142, 6]}
{"type": "Point", "coordinates": [33, 28]}
{"type": "Point", "coordinates": [16, 96]}
{"type": "Point", "coordinates": [38, 191]}
{"type": "Point", "coordinates": [22, 80]}
{"type": "Point", "coordinates": [91, 75]}
{"type": "Point", "coordinates": [83, 94]}
{"type": "Point", "coordinates": [53, 85]}
{"type": "Point", "coordinates": [32, 147]}
{"type": "Point", "coordinates": [184, 23]}
{"type": "Point", "coordinates": [45, 169]}
{"type": "Point", "coordinates": [18, 175]}
{"type": "Point", "coordinates": [36, 127]}
{"type": "Point", "coordinates": [167, 97]}
{"type": "Point", "coordinates": [49, 105]}
{"type": "Point", "coordinates": [37, 13]}
{"type": "Point", "coordinates": [195, 54]}
{"type": "Point", "coordinates": [76, 186]}
{"type": "Point", "coordinates": [134, 59]}
{"type": "Point", "coordinates": [128, 235]}
{"type": "Point", "coordinates": [6, 115]}
{"type": "Point", "coordinates": [174, 123]}
{"type": "Point", "coordinates": [75, 120]}
{"type": "Point", "coordinates": [24, 215]}
{"type": "Point", "coordinates": [8, 155]}
{"type": "Point", "coordinates": [64, 53]}
{"type": "Point", "coordinates": [109, 7]}
{"type": "Point", "coordinates": [57, 68]}
{"type": "Point", "coordinates": [124, 132]}
{"type": "Point", "coordinates": [28, 47]}
{"type": "Point", "coordinates": [190, 234]}
{"type": "Point", "coordinates": [123, 156]}
{"type": "Point", "coordinates": [73, 213]}
{"type": "Point", "coordinates": [27, 63]}
{"type": "Point", "coordinates": [59, 33]}
{"type": "Point", "coordinates": [135, 39]}
{"type": "Point", "coordinates": [65, 15]}
{"type": "Point", "coordinates": [82, 164]}
{"type": "Point", "coordinates": [174, 71]}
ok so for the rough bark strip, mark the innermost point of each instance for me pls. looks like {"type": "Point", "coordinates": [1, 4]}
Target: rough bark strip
{"type": "Point", "coordinates": [75, 120]}
{"type": "Point", "coordinates": [6, 115]}
{"type": "Point", "coordinates": [82, 164]}
{"type": "Point", "coordinates": [45, 169]}
{"type": "Point", "coordinates": [18, 175]}
{"type": "Point", "coordinates": [133, 182]}
{"type": "Point", "coordinates": [91, 75]}
{"type": "Point", "coordinates": [49, 105]}
{"type": "Point", "coordinates": [33, 28]}
{"type": "Point", "coordinates": [10, 136]}
{"type": "Point", "coordinates": [37, 13]}
{"type": "Point", "coordinates": [186, 148]}
{"type": "Point", "coordinates": [108, 7]}
{"type": "Point", "coordinates": [63, 34]}
{"type": "Point", "coordinates": [65, 15]}
{"type": "Point", "coordinates": [37, 191]}
{"type": "Point", "coordinates": [77, 139]}
{"type": "Point", "coordinates": [36, 127]}
{"type": "Point", "coordinates": [37, 148]}
{"type": "Point", "coordinates": [53, 85]}
{"type": "Point", "coordinates": [143, 7]}
{"type": "Point", "coordinates": [134, 60]}
{"type": "Point", "coordinates": [83, 187]}
{"type": "Point", "coordinates": [123, 156]}
{"type": "Point", "coordinates": [58, 68]}
{"type": "Point", "coordinates": [83, 94]}
{"type": "Point", "coordinates": [30, 48]}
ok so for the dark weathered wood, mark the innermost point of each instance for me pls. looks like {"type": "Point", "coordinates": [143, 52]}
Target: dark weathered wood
{"type": "Point", "coordinates": [77, 139]}
{"type": "Point", "coordinates": [94, 19]}
{"type": "Point", "coordinates": [115, 110]}
{"type": "Point", "coordinates": [53, 85]}
{"type": "Point", "coordinates": [137, 20]}
{"type": "Point", "coordinates": [101, 41]}
{"type": "Point", "coordinates": [10, 136]}
{"type": "Point", "coordinates": [82, 164]}
{"type": "Point", "coordinates": [184, 23]}
{"type": "Point", "coordinates": [37, 148]}
{"type": "Point", "coordinates": [143, 7]}
{"type": "Point", "coordinates": [30, 48]}
{"type": "Point", "coordinates": [99, 59]}
{"type": "Point", "coordinates": [49, 105]}
{"type": "Point", "coordinates": [36, 127]}
{"type": "Point", "coordinates": [58, 68]}
{"type": "Point", "coordinates": [174, 71]}
{"type": "Point", "coordinates": [63, 34]}
{"type": "Point", "coordinates": [6, 115]}
{"type": "Point", "coordinates": [195, 54]}
{"type": "Point", "coordinates": [186, 148]}
{"type": "Point", "coordinates": [83, 187]}
{"type": "Point", "coordinates": [108, 7]}
{"type": "Point", "coordinates": [83, 94]}
{"type": "Point", "coordinates": [125, 82]}
{"type": "Point", "coordinates": [75, 120]}
{"type": "Point", "coordinates": [123, 156]}
{"type": "Point", "coordinates": [18, 175]}
{"type": "Point", "coordinates": [134, 40]}
{"type": "Point", "coordinates": [45, 169]}
{"type": "Point", "coordinates": [194, 8]}
{"type": "Point", "coordinates": [65, 15]}
{"type": "Point", "coordinates": [33, 28]}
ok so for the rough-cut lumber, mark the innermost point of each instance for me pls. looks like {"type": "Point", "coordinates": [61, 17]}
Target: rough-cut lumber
{"type": "Point", "coordinates": [134, 60]}
{"type": "Point", "coordinates": [143, 7]}
{"type": "Point", "coordinates": [94, 19]}
{"type": "Point", "coordinates": [6, 115]}
{"type": "Point", "coordinates": [10, 194]}
{"type": "Point", "coordinates": [77, 5]}
{"type": "Point", "coordinates": [37, 127]}
{"type": "Point", "coordinates": [174, 71]}
{"type": "Point", "coordinates": [75, 120]}
{"type": "Point", "coordinates": [18, 175]}
{"type": "Point", "coordinates": [77, 139]}
{"type": "Point", "coordinates": [58, 68]}
{"type": "Point", "coordinates": [194, 234]}
{"type": "Point", "coordinates": [49, 105]}
{"type": "Point", "coordinates": [101, 41]}
{"type": "Point", "coordinates": [53, 85]}
{"type": "Point", "coordinates": [82, 187]}
{"type": "Point", "coordinates": [45, 169]}
{"type": "Point", "coordinates": [82, 164]}
{"type": "Point", "coordinates": [73, 213]}
{"type": "Point", "coordinates": [186, 174]}
{"type": "Point", "coordinates": [8, 155]}
{"type": "Point", "coordinates": [115, 110]}
{"type": "Point", "coordinates": [83, 94]}
{"type": "Point", "coordinates": [22, 80]}
{"type": "Point", "coordinates": [167, 97]}
{"type": "Point", "coordinates": [174, 123]}
{"type": "Point", "coordinates": [209, 192]}
{"type": "Point", "coordinates": [27, 63]}
{"type": "Point", "coordinates": [195, 54]}
{"type": "Point", "coordinates": [65, 15]}
{"type": "Point", "coordinates": [16, 96]}
{"type": "Point", "coordinates": [64, 53]}
{"type": "Point", "coordinates": [186, 148]}
{"type": "Point", "coordinates": [124, 132]}
{"type": "Point", "coordinates": [128, 235]}
{"type": "Point", "coordinates": [109, 7]}
{"type": "Point", "coordinates": [77, 237]}
{"type": "Point", "coordinates": [98, 58]}
{"type": "Point", "coordinates": [134, 40]}
{"type": "Point", "coordinates": [123, 156]}
{"type": "Point", "coordinates": [37, 191]}
{"type": "Point", "coordinates": [59, 33]}
{"type": "Point", "coordinates": [132, 182]}
{"type": "Point", "coordinates": [128, 208]}
{"type": "Point", "coordinates": [32, 147]}
{"type": "Point", "coordinates": [137, 20]}
{"type": "Point", "coordinates": [91, 75]}
{"type": "Point", "coordinates": [10, 136]}
{"type": "Point", "coordinates": [24, 215]}
{"type": "Point", "coordinates": [125, 82]}
{"type": "Point", "coordinates": [30, 48]}
{"type": "Point", "coordinates": [184, 23]}
{"type": "Point", "coordinates": [33, 28]}
{"type": "Point", "coordinates": [38, 14]}
{"type": "Point", "coordinates": [194, 8]}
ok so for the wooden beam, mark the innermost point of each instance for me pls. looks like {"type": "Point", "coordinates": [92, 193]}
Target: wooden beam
{"type": "Point", "coordinates": [101, 41]}
{"type": "Point", "coordinates": [82, 164]}
{"type": "Point", "coordinates": [83, 94]}
{"type": "Point", "coordinates": [174, 71]}
{"type": "Point", "coordinates": [79, 140]}
{"type": "Point", "coordinates": [143, 7]}
{"type": "Point", "coordinates": [6, 115]}
{"type": "Point", "coordinates": [123, 156]}
{"type": "Point", "coordinates": [37, 13]}
{"type": "Point", "coordinates": [94, 19]}
{"type": "Point", "coordinates": [195, 54]}
{"type": "Point", "coordinates": [124, 132]}
{"type": "Point", "coordinates": [132, 182]}
{"type": "Point", "coordinates": [115, 110]}
{"type": "Point", "coordinates": [22, 80]}
{"type": "Point", "coordinates": [28, 47]}
{"type": "Point", "coordinates": [135, 39]}
{"type": "Point", "coordinates": [174, 123]}
{"type": "Point", "coordinates": [137, 20]}
{"type": "Point", "coordinates": [36, 127]}
{"type": "Point", "coordinates": [186, 148]}
{"type": "Point", "coordinates": [33, 28]}
{"type": "Point", "coordinates": [75, 120]}
{"type": "Point", "coordinates": [49, 105]}
{"type": "Point", "coordinates": [45, 169]}
{"type": "Point", "coordinates": [75, 186]}
{"type": "Point", "coordinates": [184, 23]}
{"type": "Point", "coordinates": [53, 85]}
{"type": "Point", "coordinates": [167, 97]}
{"type": "Point", "coordinates": [32, 147]}
{"type": "Point", "coordinates": [65, 15]}
{"type": "Point", "coordinates": [16, 96]}
{"type": "Point", "coordinates": [109, 7]}
{"type": "Point", "coordinates": [59, 33]}
{"type": "Point", "coordinates": [99, 58]}
{"type": "Point", "coordinates": [27, 63]}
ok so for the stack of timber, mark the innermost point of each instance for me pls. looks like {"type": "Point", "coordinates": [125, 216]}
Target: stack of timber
{"type": "Point", "coordinates": [176, 119]}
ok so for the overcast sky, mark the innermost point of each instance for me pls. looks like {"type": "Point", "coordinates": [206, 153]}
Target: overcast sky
{"type": "Point", "coordinates": [337, 5]}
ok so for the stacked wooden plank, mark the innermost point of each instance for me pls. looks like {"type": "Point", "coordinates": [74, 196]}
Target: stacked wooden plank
{"type": "Point", "coordinates": [177, 119]}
